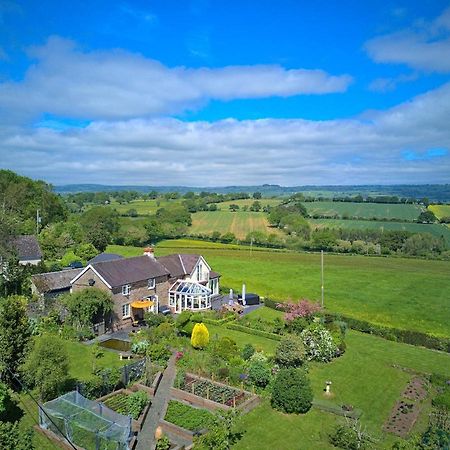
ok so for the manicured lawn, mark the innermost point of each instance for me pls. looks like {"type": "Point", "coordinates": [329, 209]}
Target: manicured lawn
{"type": "Point", "coordinates": [239, 223]}
{"type": "Point", "coordinates": [366, 210]}
{"type": "Point", "coordinates": [81, 360]}
{"type": "Point", "coordinates": [437, 230]}
{"type": "Point", "coordinates": [399, 292]}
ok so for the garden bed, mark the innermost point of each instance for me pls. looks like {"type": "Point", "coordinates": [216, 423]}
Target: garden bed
{"type": "Point", "coordinates": [188, 417]}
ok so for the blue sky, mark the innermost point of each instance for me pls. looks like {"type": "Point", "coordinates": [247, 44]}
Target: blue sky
{"type": "Point", "coordinates": [216, 93]}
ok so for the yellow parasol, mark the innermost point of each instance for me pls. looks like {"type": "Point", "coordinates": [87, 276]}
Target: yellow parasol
{"type": "Point", "coordinates": [142, 304]}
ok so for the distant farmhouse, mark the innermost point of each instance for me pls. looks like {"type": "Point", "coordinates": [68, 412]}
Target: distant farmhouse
{"type": "Point", "coordinates": [139, 284]}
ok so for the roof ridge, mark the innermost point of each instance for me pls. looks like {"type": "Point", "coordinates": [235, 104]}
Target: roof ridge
{"type": "Point", "coordinates": [182, 263]}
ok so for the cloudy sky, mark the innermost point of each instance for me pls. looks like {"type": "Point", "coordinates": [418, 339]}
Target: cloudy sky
{"type": "Point", "coordinates": [211, 93]}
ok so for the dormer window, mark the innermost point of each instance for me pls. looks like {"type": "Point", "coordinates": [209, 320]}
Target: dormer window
{"type": "Point", "coordinates": [151, 283]}
{"type": "Point", "coordinates": [126, 289]}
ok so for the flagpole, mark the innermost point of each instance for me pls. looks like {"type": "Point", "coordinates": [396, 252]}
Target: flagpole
{"type": "Point", "coordinates": [321, 266]}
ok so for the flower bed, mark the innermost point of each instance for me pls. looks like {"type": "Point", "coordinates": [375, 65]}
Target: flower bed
{"type": "Point", "coordinates": [187, 417]}
{"type": "Point", "coordinates": [128, 404]}
{"type": "Point", "coordinates": [210, 390]}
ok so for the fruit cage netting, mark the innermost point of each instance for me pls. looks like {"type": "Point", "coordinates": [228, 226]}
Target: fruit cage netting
{"type": "Point", "coordinates": [88, 424]}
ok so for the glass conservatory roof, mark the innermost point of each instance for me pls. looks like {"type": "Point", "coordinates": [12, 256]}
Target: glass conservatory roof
{"type": "Point", "coordinates": [189, 288]}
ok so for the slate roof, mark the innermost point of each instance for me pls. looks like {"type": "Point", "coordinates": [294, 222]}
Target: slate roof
{"type": "Point", "coordinates": [102, 257]}
{"type": "Point", "coordinates": [54, 281]}
{"type": "Point", "coordinates": [179, 265]}
{"type": "Point", "coordinates": [130, 270]}
{"type": "Point", "coordinates": [27, 247]}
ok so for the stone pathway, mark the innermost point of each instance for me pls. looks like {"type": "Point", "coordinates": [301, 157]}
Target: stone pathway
{"type": "Point", "coordinates": [146, 437]}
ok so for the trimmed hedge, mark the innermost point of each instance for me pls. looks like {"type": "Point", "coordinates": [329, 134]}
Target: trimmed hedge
{"type": "Point", "coordinates": [219, 321]}
{"type": "Point", "coordinates": [265, 334]}
{"type": "Point", "coordinates": [392, 334]}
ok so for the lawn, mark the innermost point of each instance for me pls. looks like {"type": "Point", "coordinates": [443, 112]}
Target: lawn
{"type": "Point", "coordinates": [81, 360]}
{"type": "Point", "coordinates": [437, 230]}
{"type": "Point", "coordinates": [240, 223]}
{"type": "Point", "coordinates": [365, 210]}
{"type": "Point", "coordinates": [375, 392]}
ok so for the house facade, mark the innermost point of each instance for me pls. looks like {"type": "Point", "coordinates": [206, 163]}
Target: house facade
{"type": "Point", "coordinates": [145, 283]}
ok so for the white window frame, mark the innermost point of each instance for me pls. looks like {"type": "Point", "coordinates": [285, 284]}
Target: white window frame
{"type": "Point", "coordinates": [126, 310]}
{"type": "Point", "coordinates": [151, 283]}
{"type": "Point", "coordinates": [126, 289]}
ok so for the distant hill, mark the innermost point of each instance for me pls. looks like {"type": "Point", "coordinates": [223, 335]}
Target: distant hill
{"type": "Point", "coordinates": [434, 192]}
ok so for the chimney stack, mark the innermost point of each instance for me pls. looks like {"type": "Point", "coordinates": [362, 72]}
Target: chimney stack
{"type": "Point", "coordinates": [148, 251]}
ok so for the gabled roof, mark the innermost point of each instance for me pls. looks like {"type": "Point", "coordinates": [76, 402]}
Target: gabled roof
{"type": "Point", "coordinates": [54, 281]}
{"type": "Point", "coordinates": [127, 270]}
{"type": "Point", "coordinates": [27, 247]}
{"type": "Point", "coordinates": [179, 265]}
{"type": "Point", "coordinates": [102, 257]}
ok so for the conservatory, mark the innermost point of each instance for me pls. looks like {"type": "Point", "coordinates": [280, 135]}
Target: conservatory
{"type": "Point", "coordinates": [189, 295]}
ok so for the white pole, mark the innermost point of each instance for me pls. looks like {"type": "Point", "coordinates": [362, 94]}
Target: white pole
{"type": "Point", "coordinates": [321, 265]}
{"type": "Point", "coordinates": [243, 294]}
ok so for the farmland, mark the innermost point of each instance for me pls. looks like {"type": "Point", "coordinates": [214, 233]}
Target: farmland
{"type": "Point", "coordinates": [397, 292]}
{"type": "Point", "coordinates": [239, 223]}
{"type": "Point", "coordinates": [405, 212]}
{"type": "Point", "coordinates": [440, 211]}
{"type": "Point", "coordinates": [437, 230]}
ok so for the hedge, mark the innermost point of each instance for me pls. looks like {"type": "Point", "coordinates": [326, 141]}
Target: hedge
{"type": "Point", "coordinates": [392, 334]}
{"type": "Point", "coordinates": [265, 334]}
{"type": "Point", "coordinates": [219, 321]}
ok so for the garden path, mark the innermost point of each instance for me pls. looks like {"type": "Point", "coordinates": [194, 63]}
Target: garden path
{"type": "Point", "coordinates": [158, 408]}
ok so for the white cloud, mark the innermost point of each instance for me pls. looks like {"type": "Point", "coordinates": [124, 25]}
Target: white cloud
{"type": "Point", "coordinates": [118, 85]}
{"type": "Point", "coordinates": [366, 149]}
{"type": "Point", "coordinates": [425, 46]}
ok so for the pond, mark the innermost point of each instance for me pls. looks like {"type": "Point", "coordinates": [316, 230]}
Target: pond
{"type": "Point", "coordinates": [116, 344]}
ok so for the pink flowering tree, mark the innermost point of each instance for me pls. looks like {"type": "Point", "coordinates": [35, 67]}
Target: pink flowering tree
{"type": "Point", "coordinates": [304, 308]}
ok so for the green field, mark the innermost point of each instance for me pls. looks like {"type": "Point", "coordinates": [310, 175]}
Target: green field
{"type": "Point", "coordinates": [143, 207]}
{"type": "Point", "coordinates": [437, 230]}
{"type": "Point", "coordinates": [239, 223]}
{"type": "Point", "coordinates": [398, 292]}
{"type": "Point", "coordinates": [440, 211]}
{"type": "Point", "coordinates": [365, 210]}
{"type": "Point", "coordinates": [248, 202]}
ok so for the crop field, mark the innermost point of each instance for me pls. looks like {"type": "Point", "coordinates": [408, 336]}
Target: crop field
{"type": "Point", "coordinates": [440, 211]}
{"type": "Point", "coordinates": [437, 230]}
{"type": "Point", "coordinates": [397, 292]}
{"type": "Point", "coordinates": [365, 210]}
{"type": "Point", "coordinates": [239, 223]}
{"type": "Point", "coordinates": [142, 207]}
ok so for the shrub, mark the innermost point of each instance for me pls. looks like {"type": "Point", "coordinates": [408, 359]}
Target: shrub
{"type": "Point", "coordinates": [200, 336]}
{"type": "Point", "coordinates": [248, 351]}
{"type": "Point", "coordinates": [140, 347]}
{"type": "Point", "coordinates": [304, 308]}
{"type": "Point", "coordinates": [290, 352]}
{"type": "Point", "coordinates": [159, 353]}
{"type": "Point", "coordinates": [442, 400]}
{"type": "Point", "coordinates": [351, 436]}
{"type": "Point", "coordinates": [225, 348]}
{"type": "Point", "coordinates": [259, 374]}
{"type": "Point", "coordinates": [153, 320]}
{"type": "Point", "coordinates": [234, 326]}
{"type": "Point", "coordinates": [318, 343]}
{"type": "Point", "coordinates": [13, 437]}
{"type": "Point", "coordinates": [292, 392]}
{"type": "Point", "coordinates": [298, 324]}
{"type": "Point", "coordinates": [163, 443]}
{"type": "Point", "coordinates": [223, 373]}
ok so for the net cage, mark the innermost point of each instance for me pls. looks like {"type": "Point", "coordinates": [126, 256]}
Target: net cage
{"type": "Point", "coordinates": [88, 424]}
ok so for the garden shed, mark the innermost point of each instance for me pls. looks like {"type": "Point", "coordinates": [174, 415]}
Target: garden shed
{"type": "Point", "coordinates": [88, 424]}
{"type": "Point", "coordinates": [184, 294]}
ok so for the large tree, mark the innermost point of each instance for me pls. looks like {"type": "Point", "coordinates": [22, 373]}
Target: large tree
{"type": "Point", "coordinates": [14, 335]}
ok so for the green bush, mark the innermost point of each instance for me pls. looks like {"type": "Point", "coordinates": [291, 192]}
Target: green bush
{"type": "Point", "coordinates": [13, 437]}
{"type": "Point", "coordinates": [259, 374]}
{"type": "Point", "coordinates": [290, 352]}
{"type": "Point", "coordinates": [351, 437]}
{"type": "Point", "coordinates": [153, 320]}
{"type": "Point", "coordinates": [163, 443]}
{"type": "Point", "coordinates": [318, 343]}
{"type": "Point", "coordinates": [225, 348]}
{"type": "Point", "coordinates": [247, 351]}
{"type": "Point", "coordinates": [292, 391]}
{"type": "Point", "coordinates": [159, 353]}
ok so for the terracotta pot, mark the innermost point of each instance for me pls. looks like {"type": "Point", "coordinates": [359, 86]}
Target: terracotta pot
{"type": "Point", "coordinates": [158, 433]}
